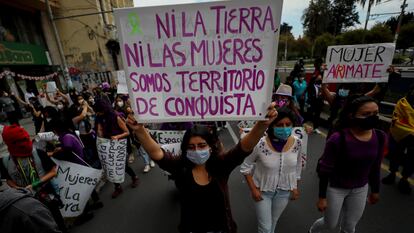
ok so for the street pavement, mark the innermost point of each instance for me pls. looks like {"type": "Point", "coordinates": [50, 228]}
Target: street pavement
{"type": "Point", "coordinates": [153, 206]}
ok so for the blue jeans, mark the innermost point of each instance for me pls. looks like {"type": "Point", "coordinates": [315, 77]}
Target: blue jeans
{"type": "Point", "coordinates": [270, 208]}
{"type": "Point", "coordinates": [144, 155]}
{"type": "Point", "coordinates": [345, 206]}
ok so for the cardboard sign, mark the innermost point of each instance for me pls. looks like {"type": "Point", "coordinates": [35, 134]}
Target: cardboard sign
{"type": "Point", "coordinates": [358, 63]}
{"type": "Point", "coordinates": [200, 62]}
{"type": "Point", "coordinates": [76, 183]}
{"type": "Point", "coordinates": [51, 87]}
{"type": "Point", "coordinates": [300, 133]}
{"type": "Point", "coordinates": [113, 154]}
{"type": "Point", "coordinates": [174, 149]}
{"type": "Point", "coordinates": [167, 137]}
{"type": "Point", "coordinates": [122, 84]}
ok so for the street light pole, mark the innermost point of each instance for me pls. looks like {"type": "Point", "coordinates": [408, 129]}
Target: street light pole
{"type": "Point", "coordinates": [397, 31]}
{"type": "Point", "coordinates": [64, 65]}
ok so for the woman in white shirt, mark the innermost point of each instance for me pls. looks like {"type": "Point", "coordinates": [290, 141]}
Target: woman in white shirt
{"type": "Point", "coordinates": [273, 170]}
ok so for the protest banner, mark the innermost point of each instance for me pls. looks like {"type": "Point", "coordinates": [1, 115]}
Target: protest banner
{"type": "Point", "coordinates": [167, 136]}
{"type": "Point", "coordinates": [113, 154]}
{"type": "Point", "coordinates": [122, 85]}
{"type": "Point", "coordinates": [51, 87]}
{"type": "Point", "coordinates": [174, 148]}
{"type": "Point", "coordinates": [200, 62]}
{"type": "Point", "coordinates": [300, 133]}
{"type": "Point", "coordinates": [358, 63]}
{"type": "Point", "coordinates": [75, 183]}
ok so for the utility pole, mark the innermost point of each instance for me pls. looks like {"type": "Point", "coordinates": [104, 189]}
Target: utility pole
{"type": "Point", "coordinates": [397, 31]}
{"type": "Point", "coordinates": [64, 65]}
{"type": "Point", "coordinates": [368, 15]}
{"type": "Point", "coordinates": [286, 44]}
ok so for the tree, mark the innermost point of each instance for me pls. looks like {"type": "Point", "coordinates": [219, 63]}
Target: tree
{"type": "Point", "coordinates": [344, 15]}
{"type": "Point", "coordinates": [405, 39]}
{"type": "Point", "coordinates": [316, 18]}
{"type": "Point", "coordinates": [393, 21]}
{"type": "Point", "coordinates": [350, 37]}
{"type": "Point", "coordinates": [285, 28]}
{"type": "Point", "coordinates": [321, 44]}
{"type": "Point", "coordinates": [380, 33]}
{"type": "Point", "coordinates": [303, 47]}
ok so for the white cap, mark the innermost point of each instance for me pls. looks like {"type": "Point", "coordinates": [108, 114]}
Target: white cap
{"type": "Point", "coordinates": [285, 90]}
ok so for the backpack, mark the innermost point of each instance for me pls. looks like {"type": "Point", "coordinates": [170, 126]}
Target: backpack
{"type": "Point", "coordinates": [342, 146]}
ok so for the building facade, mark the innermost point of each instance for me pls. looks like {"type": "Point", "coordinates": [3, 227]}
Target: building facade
{"type": "Point", "coordinates": [28, 55]}
{"type": "Point", "coordinates": [89, 41]}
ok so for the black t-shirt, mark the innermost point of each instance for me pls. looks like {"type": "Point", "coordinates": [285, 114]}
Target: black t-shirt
{"type": "Point", "coordinates": [202, 208]}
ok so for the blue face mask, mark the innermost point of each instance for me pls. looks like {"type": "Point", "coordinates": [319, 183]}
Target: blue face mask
{"type": "Point", "coordinates": [343, 92]}
{"type": "Point", "coordinates": [198, 156]}
{"type": "Point", "coordinates": [282, 132]}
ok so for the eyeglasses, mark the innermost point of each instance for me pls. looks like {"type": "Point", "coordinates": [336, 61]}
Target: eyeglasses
{"type": "Point", "coordinates": [195, 146]}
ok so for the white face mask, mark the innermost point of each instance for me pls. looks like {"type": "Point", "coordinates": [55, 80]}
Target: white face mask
{"type": "Point", "coordinates": [60, 106]}
{"type": "Point", "coordinates": [120, 104]}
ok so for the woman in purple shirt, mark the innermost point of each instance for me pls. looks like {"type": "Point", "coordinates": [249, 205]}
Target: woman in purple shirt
{"type": "Point", "coordinates": [350, 163]}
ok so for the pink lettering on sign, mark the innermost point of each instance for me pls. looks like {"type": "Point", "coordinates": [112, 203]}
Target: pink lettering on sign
{"type": "Point", "coordinates": [352, 71]}
{"type": "Point", "coordinates": [239, 103]}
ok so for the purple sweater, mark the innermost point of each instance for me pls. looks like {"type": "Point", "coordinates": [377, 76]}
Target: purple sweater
{"type": "Point", "coordinates": [351, 167]}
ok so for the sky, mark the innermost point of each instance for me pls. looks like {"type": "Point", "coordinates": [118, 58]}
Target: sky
{"type": "Point", "coordinates": [293, 10]}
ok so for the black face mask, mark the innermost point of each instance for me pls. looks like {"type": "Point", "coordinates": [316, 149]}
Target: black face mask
{"type": "Point", "coordinates": [367, 123]}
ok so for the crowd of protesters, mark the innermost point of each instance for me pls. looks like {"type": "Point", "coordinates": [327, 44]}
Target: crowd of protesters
{"type": "Point", "coordinates": [270, 157]}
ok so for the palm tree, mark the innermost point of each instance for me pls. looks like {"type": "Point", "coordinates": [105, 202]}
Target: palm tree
{"type": "Point", "coordinates": [370, 3]}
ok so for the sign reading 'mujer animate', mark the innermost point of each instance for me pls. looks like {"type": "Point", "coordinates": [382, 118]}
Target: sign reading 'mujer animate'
{"type": "Point", "coordinates": [198, 62]}
{"type": "Point", "coordinates": [358, 63]}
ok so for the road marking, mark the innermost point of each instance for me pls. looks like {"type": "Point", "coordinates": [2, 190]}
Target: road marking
{"type": "Point", "coordinates": [384, 167]}
{"type": "Point", "coordinates": [232, 134]}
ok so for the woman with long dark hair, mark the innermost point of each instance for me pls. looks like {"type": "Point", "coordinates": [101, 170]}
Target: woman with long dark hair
{"type": "Point", "coordinates": [110, 125]}
{"type": "Point", "coordinates": [202, 173]}
{"type": "Point", "coordinates": [349, 165]}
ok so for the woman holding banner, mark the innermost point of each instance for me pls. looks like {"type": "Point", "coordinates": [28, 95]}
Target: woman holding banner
{"type": "Point", "coordinates": [273, 170]}
{"type": "Point", "coordinates": [202, 173]}
{"type": "Point", "coordinates": [111, 126]}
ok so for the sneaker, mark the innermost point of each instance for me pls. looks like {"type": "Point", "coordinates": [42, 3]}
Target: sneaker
{"type": "Point", "coordinates": [117, 192]}
{"type": "Point", "coordinates": [135, 182]}
{"type": "Point", "coordinates": [147, 168]}
{"type": "Point", "coordinates": [152, 164]}
{"type": "Point", "coordinates": [390, 179]}
{"type": "Point", "coordinates": [404, 186]}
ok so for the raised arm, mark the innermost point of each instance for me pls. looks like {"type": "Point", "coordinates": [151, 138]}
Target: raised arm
{"type": "Point", "coordinates": [249, 141]}
{"type": "Point", "coordinates": [19, 99]}
{"type": "Point", "coordinates": [327, 95]}
{"type": "Point", "coordinates": [150, 146]}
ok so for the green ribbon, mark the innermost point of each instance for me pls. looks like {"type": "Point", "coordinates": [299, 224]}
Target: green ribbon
{"type": "Point", "coordinates": [36, 184]}
{"type": "Point", "coordinates": [134, 23]}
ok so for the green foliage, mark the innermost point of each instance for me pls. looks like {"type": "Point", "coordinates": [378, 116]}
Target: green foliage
{"type": "Point", "coordinates": [332, 16]}
{"type": "Point", "coordinates": [405, 38]}
{"type": "Point", "coordinates": [321, 44]}
{"type": "Point", "coordinates": [380, 33]}
{"type": "Point", "coordinates": [350, 37]}
{"type": "Point", "coordinates": [316, 18]}
{"type": "Point", "coordinates": [393, 21]}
